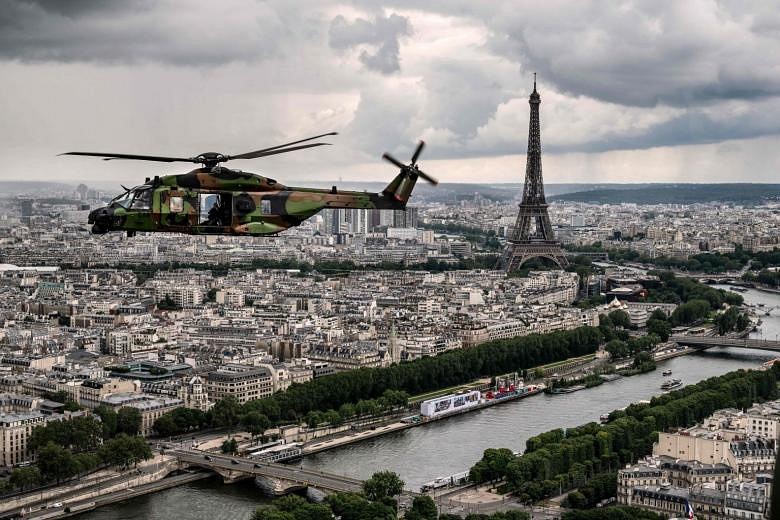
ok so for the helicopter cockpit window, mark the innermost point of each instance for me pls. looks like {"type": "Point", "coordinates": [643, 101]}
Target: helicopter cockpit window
{"type": "Point", "coordinates": [124, 200]}
{"type": "Point", "coordinates": [143, 200]}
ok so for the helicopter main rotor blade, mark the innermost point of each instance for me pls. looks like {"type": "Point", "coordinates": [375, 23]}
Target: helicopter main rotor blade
{"type": "Point", "coordinates": [252, 155]}
{"type": "Point", "coordinates": [110, 156]}
{"type": "Point", "coordinates": [261, 153]}
{"type": "Point", "coordinates": [389, 158]}
{"type": "Point", "coordinates": [427, 177]}
{"type": "Point", "coordinates": [418, 151]}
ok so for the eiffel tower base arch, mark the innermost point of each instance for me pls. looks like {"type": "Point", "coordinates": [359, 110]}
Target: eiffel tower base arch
{"type": "Point", "coordinates": [518, 254]}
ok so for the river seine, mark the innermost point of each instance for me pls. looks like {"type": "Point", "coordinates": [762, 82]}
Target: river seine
{"type": "Point", "coordinates": [452, 445]}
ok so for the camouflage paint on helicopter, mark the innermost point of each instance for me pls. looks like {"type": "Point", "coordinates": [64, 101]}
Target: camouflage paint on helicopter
{"type": "Point", "coordinates": [218, 200]}
{"type": "Point", "coordinates": [246, 203]}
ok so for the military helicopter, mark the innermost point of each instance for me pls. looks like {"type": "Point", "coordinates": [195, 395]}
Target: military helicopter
{"type": "Point", "coordinates": [215, 200]}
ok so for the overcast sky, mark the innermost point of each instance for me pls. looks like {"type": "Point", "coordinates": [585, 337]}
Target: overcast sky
{"type": "Point", "coordinates": [631, 91]}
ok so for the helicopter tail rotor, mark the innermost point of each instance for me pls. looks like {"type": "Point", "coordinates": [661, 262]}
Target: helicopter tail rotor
{"type": "Point", "coordinates": [401, 187]}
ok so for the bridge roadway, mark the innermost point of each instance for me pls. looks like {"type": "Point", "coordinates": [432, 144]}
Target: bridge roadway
{"type": "Point", "coordinates": [227, 465]}
{"type": "Point", "coordinates": [719, 341]}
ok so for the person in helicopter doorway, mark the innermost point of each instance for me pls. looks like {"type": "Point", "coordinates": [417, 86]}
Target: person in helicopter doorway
{"type": "Point", "coordinates": [219, 214]}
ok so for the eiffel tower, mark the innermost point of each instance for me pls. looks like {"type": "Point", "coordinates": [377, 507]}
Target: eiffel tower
{"type": "Point", "coordinates": [522, 242]}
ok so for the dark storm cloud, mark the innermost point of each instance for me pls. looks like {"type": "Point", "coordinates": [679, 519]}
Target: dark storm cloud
{"type": "Point", "coordinates": [138, 31]}
{"type": "Point", "coordinates": [646, 53]}
{"type": "Point", "coordinates": [71, 8]}
{"type": "Point", "coordinates": [382, 34]}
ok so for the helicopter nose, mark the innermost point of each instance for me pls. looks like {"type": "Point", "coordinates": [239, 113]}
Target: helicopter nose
{"type": "Point", "coordinates": [98, 214]}
{"type": "Point", "coordinates": [101, 220]}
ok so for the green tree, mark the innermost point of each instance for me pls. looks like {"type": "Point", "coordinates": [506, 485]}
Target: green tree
{"type": "Point", "coordinates": [124, 450]}
{"type": "Point", "coordinates": [644, 362]}
{"type": "Point", "coordinates": [271, 513]}
{"type": "Point", "coordinates": [658, 314]}
{"type": "Point", "coordinates": [612, 513]}
{"type": "Point", "coordinates": [660, 328]}
{"type": "Point", "coordinates": [78, 433]}
{"type": "Point", "coordinates": [742, 322]}
{"type": "Point", "coordinates": [229, 446]}
{"type": "Point", "coordinates": [165, 426]}
{"type": "Point", "coordinates": [350, 506]}
{"type": "Point", "coordinates": [85, 462]}
{"type": "Point", "coordinates": [617, 349]}
{"type": "Point", "coordinates": [128, 421]}
{"type": "Point", "coordinates": [423, 508]}
{"type": "Point", "coordinates": [256, 423]}
{"type": "Point", "coordinates": [691, 312]}
{"type": "Point", "coordinates": [24, 478]}
{"type": "Point", "coordinates": [225, 413]}
{"type": "Point", "coordinates": [492, 465]}
{"type": "Point", "coordinates": [56, 462]}
{"type": "Point", "coordinates": [108, 420]}
{"type": "Point", "coordinates": [86, 433]}
{"type": "Point", "coordinates": [620, 319]}
{"type": "Point", "coordinates": [576, 500]}
{"type": "Point", "coordinates": [383, 484]}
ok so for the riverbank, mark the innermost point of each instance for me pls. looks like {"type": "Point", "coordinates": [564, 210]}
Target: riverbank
{"type": "Point", "coordinates": [79, 507]}
{"type": "Point", "coordinates": [344, 440]}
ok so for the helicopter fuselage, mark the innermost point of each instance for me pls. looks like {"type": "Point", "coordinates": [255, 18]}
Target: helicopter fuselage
{"type": "Point", "coordinates": [221, 201]}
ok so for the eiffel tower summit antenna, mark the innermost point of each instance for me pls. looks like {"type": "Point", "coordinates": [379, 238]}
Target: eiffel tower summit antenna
{"type": "Point", "coordinates": [524, 243]}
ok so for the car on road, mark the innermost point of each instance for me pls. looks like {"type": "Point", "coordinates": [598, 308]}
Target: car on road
{"type": "Point", "coordinates": [258, 465]}
{"type": "Point", "coordinates": [207, 457]}
{"type": "Point", "coordinates": [233, 461]}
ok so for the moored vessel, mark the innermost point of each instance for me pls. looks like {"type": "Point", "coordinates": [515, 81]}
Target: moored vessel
{"type": "Point", "coordinates": [671, 383]}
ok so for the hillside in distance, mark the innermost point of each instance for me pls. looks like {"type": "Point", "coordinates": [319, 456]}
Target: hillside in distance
{"type": "Point", "coordinates": [13, 188]}
{"type": "Point", "coordinates": [738, 193]}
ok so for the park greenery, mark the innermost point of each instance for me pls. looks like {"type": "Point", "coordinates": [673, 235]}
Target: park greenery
{"type": "Point", "coordinates": [485, 239]}
{"type": "Point", "coordinates": [740, 193]}
{"type": "Point", "coordinates": [342, 391]}
{"type": "Point", "coordinates": [377, 501]}
{"type": "Point", "coordinates": [78, 444]}
{"type": "Point", "coordinates": [560, 460]}
{"type": "Point", "coordinates": [612, 513]}
{"type": "Point", "coordinates": [681, 289]}
{"type": "Point", "coordinates": [707, 263]}
{"type": "Point", "coordinates": [598, 488]}
{"type": "Point", "coordinates": [731, 320]}
{"type": "Point", "coordinates": [369, 392]}
{"type": "Point", "coordinates": [765, 277]}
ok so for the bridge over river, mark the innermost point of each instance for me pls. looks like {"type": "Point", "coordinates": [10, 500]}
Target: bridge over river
{"type": "Point", "coordinates": [273, 478]}
{"type": "Point", "coordinates": [720, 341]}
